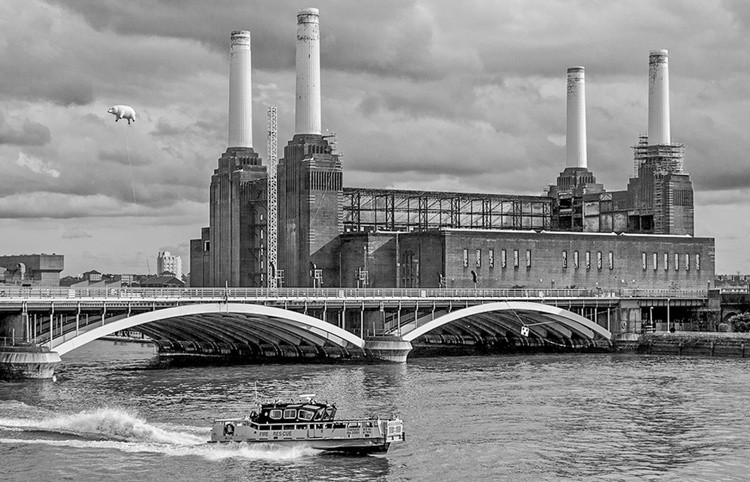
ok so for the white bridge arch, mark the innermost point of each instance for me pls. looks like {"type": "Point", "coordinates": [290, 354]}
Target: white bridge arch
{"type": "Point", "coordinates": [225, 323]}
{"type": "Point", "coordinates": [542, 321]}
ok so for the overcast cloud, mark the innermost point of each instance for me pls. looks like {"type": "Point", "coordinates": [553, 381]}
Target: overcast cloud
{"type": "Point", "coordinates": [464, 96]}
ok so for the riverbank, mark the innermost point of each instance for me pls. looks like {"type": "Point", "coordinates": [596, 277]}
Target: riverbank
{"type": "Point", "coordinates": [716, 344]}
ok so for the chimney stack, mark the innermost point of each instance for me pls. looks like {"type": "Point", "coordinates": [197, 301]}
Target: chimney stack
{"type": "Point", "coordinates": [658, 98]}
{"type": "Point", "coordinates": [240, 91]}
{"type": "Point", "coordinates": [575, 143]}
{"type": "Point", "coordinates": [307, 108]}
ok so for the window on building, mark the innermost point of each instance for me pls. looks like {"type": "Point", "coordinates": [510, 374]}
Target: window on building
{"type": "Point", "coordinates": [666, 261]}
{"type": "Point", "coordinates": [479, 258]}
{"type": "Point", "coordinates": [697, 262]}
{"type": "Point", "coordinates": [575, 259]}
{"type": "Point", "coordinates": [588, 259]}
{"type": "Point", "coordinates": [503, 258]}
{"type": "Point", "coordinates": [643, 261]}
{"type": "Point", "coordinates": [687, 262]}
{"type": "Point", "coordinates": [599, 260]}
{"type": "Point", "coordinates": [528, 258]}
{"type": "Point", "coordinates": [206, 245]}
{"type": "Point", "coordinates": [565, 259]}
{"type": "Point", "coordinates": [655, 260]}
{"type": "Point", "coordinates": [676, 261]}
{"type": "Point", "coordinates": [515, 258]}
{"type": "Point", "coordinates": [611, 260]}
{"type": "Point", "coordinates": [491, 258]}
{"type": "Point", "coordinates": [466, 258]}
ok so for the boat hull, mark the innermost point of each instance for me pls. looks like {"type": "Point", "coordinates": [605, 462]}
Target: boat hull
{"type": "Point", "coordinates": [347, 446]}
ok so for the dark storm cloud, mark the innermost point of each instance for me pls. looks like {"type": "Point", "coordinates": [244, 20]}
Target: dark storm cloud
{"type": "Point", "coordinates": [29, 134]}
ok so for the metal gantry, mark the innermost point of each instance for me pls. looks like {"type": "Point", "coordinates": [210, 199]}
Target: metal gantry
{"type": "Point", "coordinates": [272, 200]}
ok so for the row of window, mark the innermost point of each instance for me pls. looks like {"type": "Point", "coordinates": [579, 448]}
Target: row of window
{"type": "Point", "coordinates": [303, 414]}
{"type": "Point", "coordinates": [665, 261]}
{"type": "Point", "coordinates": [587, 260]}
{"type": "Point", "coordinates": [503, 258]}
{"type": "Point", "coordinates": [599, 260]}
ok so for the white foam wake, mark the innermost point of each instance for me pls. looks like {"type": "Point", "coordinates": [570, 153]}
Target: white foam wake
{"type": "Point", "coordinates": [107, 423]}
{"type": "Point", "coordinates": [212, 452]}
{"type": "Point", "coordinates": [118, 429]}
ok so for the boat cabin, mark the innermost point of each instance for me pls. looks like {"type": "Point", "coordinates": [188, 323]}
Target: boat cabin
{"type": "Point", "coordinates": [282, 412]}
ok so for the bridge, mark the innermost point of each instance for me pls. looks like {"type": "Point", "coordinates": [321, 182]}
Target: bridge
{"type": "Point", "coordinates": [306, 323]}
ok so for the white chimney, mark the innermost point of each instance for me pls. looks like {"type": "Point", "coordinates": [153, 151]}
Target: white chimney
{"type": "Point", "coordinates": [658, 98]}
{"type": "Point", "coordinates": [240, 91]}
{"type": "Point", "coordinates": [307, 118]}
{"type": "Point", "coordinates": [575, 143]}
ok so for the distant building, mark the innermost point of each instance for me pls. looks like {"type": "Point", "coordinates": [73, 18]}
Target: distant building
{"type": "Point", "coordinates": [733, 282]}
{"type": "Point", "coordinates": [162, 282]}
{"type": "Point", "coordinates": [92, 276]}
{"type": "Point", "coordinates": [168, 263]}
{"type": "Point", "coordinates": [31, 269]}
{"type": "Point", "coordinates": [92, 279]}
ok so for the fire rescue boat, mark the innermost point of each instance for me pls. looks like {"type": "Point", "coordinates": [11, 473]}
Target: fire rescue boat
{"type": "Point", "coordinates": [310, 423]}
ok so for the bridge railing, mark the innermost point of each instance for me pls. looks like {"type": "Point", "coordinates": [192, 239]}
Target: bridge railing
{"type": "Point", "coordinates": [214, 294]}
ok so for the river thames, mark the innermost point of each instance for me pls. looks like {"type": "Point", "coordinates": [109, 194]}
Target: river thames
{"type": "Point", "coordinates": [112, 414]}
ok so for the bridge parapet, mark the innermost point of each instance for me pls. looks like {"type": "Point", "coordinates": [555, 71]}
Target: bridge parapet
{"type": "Point", "coordinates": [280, 294]}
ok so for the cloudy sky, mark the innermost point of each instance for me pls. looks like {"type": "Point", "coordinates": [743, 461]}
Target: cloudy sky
{"type": "Point", "coordinates": [438, 94]}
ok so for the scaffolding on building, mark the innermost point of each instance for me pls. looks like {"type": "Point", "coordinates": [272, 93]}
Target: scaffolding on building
{"type": "Point", "coordinates": [667, 158]}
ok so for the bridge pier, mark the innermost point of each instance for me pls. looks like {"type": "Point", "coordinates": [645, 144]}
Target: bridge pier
{"type": "Point", "coordinates": [387, 348]}
{"type": "Point", "coordinates": [27, 362]}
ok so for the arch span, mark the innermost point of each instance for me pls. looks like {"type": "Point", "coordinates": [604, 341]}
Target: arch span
{"type": "Point", "coordinates": [230, 322]}
{"type": "Point", "coordinates": [539, 318]}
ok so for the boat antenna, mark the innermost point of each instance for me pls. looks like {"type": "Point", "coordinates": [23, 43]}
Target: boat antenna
{"type": "Point", "coordinates": [256, 392]}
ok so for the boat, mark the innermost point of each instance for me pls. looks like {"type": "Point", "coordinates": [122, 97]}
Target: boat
{"type": "Point", "coordinates": [310, 423]}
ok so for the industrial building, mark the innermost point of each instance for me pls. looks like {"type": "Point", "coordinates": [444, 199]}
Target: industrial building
{"type": "Point", "coordinates": [293, 223]}
{"type": "Point", "coordinates": [31, 269]}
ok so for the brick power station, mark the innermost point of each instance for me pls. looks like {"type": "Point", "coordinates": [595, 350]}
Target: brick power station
{"type": "Point", "coordinates": [575, 235]}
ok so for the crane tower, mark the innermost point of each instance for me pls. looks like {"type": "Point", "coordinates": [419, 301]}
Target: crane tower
{"type": "Point", "coordinates": [271, 211]}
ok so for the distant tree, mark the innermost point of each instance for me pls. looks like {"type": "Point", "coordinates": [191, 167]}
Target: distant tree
{"type": "Point", "coordinates": [740, 323]}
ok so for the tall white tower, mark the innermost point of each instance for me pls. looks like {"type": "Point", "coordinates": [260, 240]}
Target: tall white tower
{"type": "Point", "coordinates": [658, 98]}
{"type": "Point", "coordinates": [307, 108]}
{"type": "Point", "coordinates": [240, 91]}
{"type": "Point", "coordinates": [575, 144]}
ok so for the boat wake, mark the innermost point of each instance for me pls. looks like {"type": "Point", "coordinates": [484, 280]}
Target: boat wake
{"type": "Point", "coordinates": [117, 429]}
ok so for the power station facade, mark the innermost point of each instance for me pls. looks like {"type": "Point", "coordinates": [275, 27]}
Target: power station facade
{"type": "Point", "coordinates": [576, 234]}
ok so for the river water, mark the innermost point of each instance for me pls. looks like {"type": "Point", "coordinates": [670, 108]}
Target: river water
{"type": "Point", "coordinates": [112, 415]}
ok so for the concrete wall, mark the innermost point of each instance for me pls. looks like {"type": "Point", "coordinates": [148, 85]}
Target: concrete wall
{"type": "Point", "coordinates": [199, 259]}
{"type": "Point", "coordinates": [310, 211]}
{"type": "Point", "coordinates": [380, 254]}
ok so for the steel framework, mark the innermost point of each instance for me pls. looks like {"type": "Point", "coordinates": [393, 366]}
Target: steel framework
{"type": "Point", "coordinates": [403, 210]}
